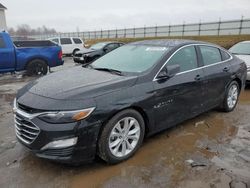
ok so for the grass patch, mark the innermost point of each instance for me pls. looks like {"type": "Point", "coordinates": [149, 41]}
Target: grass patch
{"type": "Point", "coordinates": [225, 41]}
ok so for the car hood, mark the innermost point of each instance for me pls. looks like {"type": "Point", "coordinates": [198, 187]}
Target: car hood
{"type": "Point", "coordinates": [245, 58]}
{"type": "Point", "coordinates": [86, 51]}
{"type": "Point", "coordinates": [75, 84]}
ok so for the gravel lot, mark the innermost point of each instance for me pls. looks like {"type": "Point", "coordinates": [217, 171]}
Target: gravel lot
{"type": "Point", "coordinates": [209, 151]}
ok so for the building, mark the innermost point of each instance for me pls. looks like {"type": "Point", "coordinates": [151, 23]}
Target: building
{"type": "Point", "coordinates": [3, 24]}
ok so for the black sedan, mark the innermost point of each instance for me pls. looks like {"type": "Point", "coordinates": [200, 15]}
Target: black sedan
{"type": "Point", "coordinates": [95, 51]}
{"type": "Point", "coordinates": [134, 91]}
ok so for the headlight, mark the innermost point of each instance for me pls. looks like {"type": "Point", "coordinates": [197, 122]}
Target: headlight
{"type": "Point", "coordinates": [85, 55]}
{"type": "Point", "coordinates": [66, 116]}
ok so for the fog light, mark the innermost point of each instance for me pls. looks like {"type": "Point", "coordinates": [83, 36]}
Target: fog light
{"type": "Point", "coordinates": [61, 144]}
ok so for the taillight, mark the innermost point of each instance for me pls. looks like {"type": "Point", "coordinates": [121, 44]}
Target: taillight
{"type": "Point", "coordinates": [60, 55]}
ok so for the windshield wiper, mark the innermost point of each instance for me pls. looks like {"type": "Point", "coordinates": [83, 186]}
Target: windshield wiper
{"type": "Point", "coordinates": [113, 71]}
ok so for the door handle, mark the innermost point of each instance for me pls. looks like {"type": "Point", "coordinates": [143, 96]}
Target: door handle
{"type": "Point", "coordinates": [197, 77]}
{"type": "Point", "coordinates": [226, 69]}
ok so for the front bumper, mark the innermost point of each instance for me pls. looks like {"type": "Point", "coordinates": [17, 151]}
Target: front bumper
{"type": "Point", "coordinates": [78, 59]}
{"type": "Point", "coordinates": [34, 134]}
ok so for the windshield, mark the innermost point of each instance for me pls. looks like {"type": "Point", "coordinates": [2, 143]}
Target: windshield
{"type": "Point", "coordinates": [131, 58]}
{"type": "Point", "coordinates": [241, 48]}
{"type": "Point", "coordinates": [98, 46]}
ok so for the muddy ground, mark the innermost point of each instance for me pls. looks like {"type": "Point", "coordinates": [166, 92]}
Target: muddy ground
{"type": "Point", "coordinates": [209, 151]}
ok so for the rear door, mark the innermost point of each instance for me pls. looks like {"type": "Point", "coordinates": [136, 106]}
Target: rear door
{"type": "Point", "coordinates": [217, 73]}
{"type": "Point", "coordinates": [66, 44]}
{"type": "Point", "coordinates": [78, 43]}
{"type": "Point", "coordinates": [179, 97]}
{"type": "Point", "coordinates": [7, 55]}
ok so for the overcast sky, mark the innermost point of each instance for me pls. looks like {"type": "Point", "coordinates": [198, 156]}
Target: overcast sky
{"type": "Point", "coordinates": [65, 15]}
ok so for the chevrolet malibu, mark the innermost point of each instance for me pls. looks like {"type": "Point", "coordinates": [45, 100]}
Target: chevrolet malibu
{"type": "Point", "coordinates": [108, 107]}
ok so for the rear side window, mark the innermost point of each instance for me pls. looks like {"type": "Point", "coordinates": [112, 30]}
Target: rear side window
{"type": "Point", "coordinates": [112, 46]}
{"type": "Point", "coordinates": [210, 55]}
{"type": "Point", "coordinates": [186, 58]}
{"type": "Point", "coordinates": [2, 43]}
{"type": "Point", "coordinates": [55, 40]}
{"type": "Point", "coordinates": [225, 56]}
{"type": "Point", "coordinates": [66, 41]}
{"type": "Point", "coordinates": [77, 41]}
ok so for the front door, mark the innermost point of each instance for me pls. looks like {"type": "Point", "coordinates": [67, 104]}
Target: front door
{"type": "Point", "coordinates": [179, 97]}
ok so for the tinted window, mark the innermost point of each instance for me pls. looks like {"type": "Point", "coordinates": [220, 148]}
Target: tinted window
{"type": "Point", "coordinates": [2, 43]}
{"type": "Point", "coordinates": [98, 46]}
{"type": "Point", "coordinates": [224, 55]}
{"type": "Point", "coordinates": [210, 55]}
{"type": "Point", "coordinates": [77, 41]}
{"type": "Point", "coordinates": [112, 46]}
{"type": "Point", "coordinates": [66, 41]}
{"type": "Point", "coordinates": [241, 48]}
{"type": "Point", "coordinates": [186, 58]}
{"type": "Point", "coordinates": [131, 58]}
{"type": "Point", "coordinates": [55, 40]}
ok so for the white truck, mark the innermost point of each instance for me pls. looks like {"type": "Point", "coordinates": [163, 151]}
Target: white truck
{"type": "Point", "coordinates": [70, 45]}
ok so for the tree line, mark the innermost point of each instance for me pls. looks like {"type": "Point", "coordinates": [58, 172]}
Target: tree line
{"type": "Point", "coordinates": [26, 30]}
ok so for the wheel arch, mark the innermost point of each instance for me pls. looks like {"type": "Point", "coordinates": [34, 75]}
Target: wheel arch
{"type": "Point", "coordinates": [35, 58]}
{"type": "Point", "coordinates": [136, 108]}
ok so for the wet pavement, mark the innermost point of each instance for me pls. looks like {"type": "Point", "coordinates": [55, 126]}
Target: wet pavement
{"type": "Point", "coordinates": [209, 151]}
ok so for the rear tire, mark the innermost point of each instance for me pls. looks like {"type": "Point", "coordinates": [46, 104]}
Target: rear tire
{"type": "Point", "coordinates": [37, 67]}
{"type": "Point", "coordinates": [231, 98]}
{"type": "Point", "coordinates": [121, 137]}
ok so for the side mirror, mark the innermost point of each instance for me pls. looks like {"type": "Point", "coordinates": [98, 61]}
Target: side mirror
{"type": "Point", "coordinates": [105, 49]}
{"type": "Point", "coordinates": [169, 71]}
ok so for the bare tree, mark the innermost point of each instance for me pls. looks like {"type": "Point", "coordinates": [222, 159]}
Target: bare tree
{"type": "Point", "coordinates": [26, 30]}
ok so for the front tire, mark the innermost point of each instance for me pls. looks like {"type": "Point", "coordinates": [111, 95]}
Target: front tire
{"type": "Point", "coordinates": [231, 97]}
{"type": "Point", "coordinates": [74, 51]}
{"type": "Point", "coordinates": [121, 137]}
{"type": "Point", "coordinates": [37, 67]}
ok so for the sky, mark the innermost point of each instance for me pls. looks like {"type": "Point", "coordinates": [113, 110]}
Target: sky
{"type": "Point", "coordinates": [83, 15]}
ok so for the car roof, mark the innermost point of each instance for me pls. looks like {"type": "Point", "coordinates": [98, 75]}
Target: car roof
{"type": "Point", "coordinates": [110, 42]}
{"type": "Point", "coordinates": [168, 42]}
{"type": "Point", "coordinates": [246, 41]}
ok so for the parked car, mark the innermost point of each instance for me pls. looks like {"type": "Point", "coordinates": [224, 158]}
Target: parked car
{"type": "Point", "coordinates": [70, 45]}
{"type": "Point", "coordinates": [95, 51]}
{"type": "Point", "coordinates": [134, 91]}
{"type": "Point", "coordinates": [33, 56]}
{"type": "Point", "coordinates": [242, 51]}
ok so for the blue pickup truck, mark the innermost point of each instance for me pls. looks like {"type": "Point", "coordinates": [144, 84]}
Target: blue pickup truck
{"type": "Point", "coordinates": [33, 56]}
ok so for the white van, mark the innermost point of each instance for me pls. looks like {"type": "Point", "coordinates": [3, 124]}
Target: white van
{"type": "Point", "coordinates": [70, 45]}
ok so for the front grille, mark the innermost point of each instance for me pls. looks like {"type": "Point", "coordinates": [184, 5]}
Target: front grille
{"type": "Point", "coordinates": [63, 152]}
{"type": "Point", "coordinates": [25, 130]}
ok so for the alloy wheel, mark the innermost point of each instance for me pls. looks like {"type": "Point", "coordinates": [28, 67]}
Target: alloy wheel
{"type": "Point", "coordinates": [124, 137]}
{"type": "Point", "coordinates": [232, 96]}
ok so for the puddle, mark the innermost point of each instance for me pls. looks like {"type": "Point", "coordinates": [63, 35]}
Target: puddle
{"type": "Point", "coordinates": [163, 155]}
{"type": "Point", "coordinates": [245, 96]}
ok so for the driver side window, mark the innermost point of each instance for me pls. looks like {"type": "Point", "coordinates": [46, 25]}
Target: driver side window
{"type": "Point", "coordinates": [186, 58]}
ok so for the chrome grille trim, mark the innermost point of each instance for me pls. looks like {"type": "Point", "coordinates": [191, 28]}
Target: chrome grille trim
{"type": "Point", "coordinates": [25, 129]}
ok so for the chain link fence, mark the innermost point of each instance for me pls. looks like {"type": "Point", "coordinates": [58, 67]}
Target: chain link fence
{"type": "Point", "coordinates": [229, 27]}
